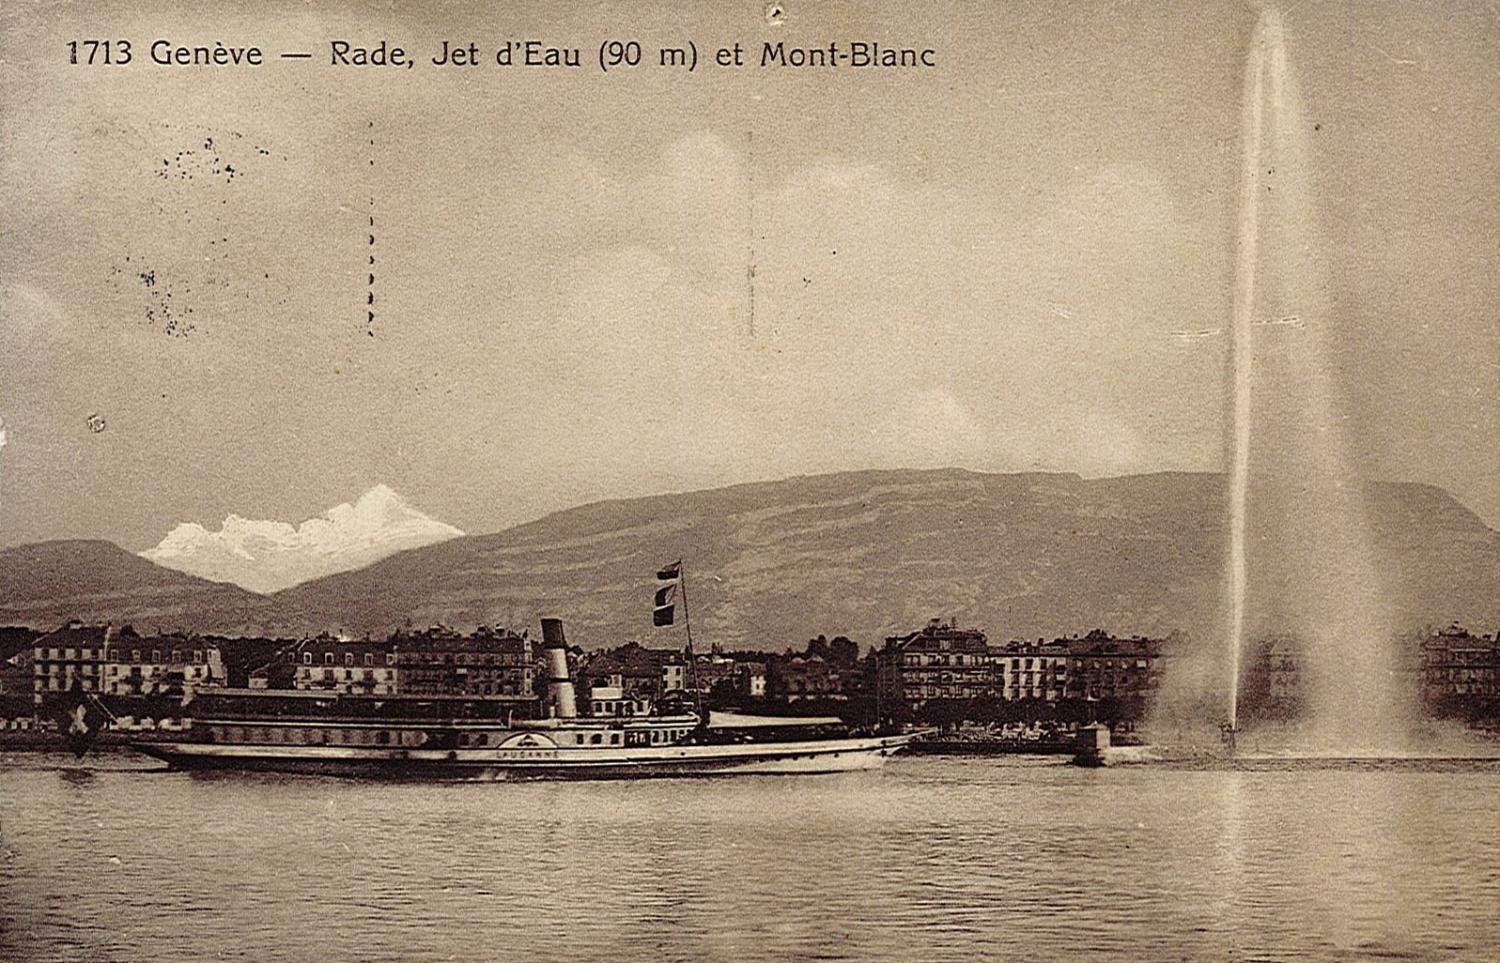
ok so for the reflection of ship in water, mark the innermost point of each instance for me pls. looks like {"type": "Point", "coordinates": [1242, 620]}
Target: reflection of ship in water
{"type": "Point", "coordinates": [465, 738]}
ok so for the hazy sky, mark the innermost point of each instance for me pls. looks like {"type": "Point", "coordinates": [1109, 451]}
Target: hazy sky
{"type": "Point", "coordinates": [597, 285]}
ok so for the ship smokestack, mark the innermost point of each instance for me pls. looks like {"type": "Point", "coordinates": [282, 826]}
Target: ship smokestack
{"type": "Point", "coordinates": [559, 683]}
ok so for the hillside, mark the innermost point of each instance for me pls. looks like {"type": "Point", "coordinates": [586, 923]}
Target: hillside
{"type": "Point", "coordinates": [47, 583]}
{"type": "Point", "coordinates": [872, 553]}
{"type": "Point", "coordinates": [863, 554]}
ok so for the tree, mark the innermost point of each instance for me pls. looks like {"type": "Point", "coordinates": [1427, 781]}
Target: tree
{"type": "Point", "coordinates": [843, 652]}
{"type": "Point", "coordinates": [946, 714]}
{"type": "Point", "coordinates": [723, 694]}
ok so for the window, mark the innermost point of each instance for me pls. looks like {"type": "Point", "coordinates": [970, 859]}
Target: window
{"type": "Point", "coordinates": [614, 738]}
{"type": "Point", "coordinates": [155, 656]}
{"type": "Point", "coordinates": [176, 655]}
{"type": "Point", "coordinates": [135, 655]}
{"type": "Point", "coordinates": [307, 658]}
{"type": "Point", "coordinates": [197, 655]}
{"type": "Point", "coordinates": [328, 658]}
{"type": "Point", "coordinates": [369, 658]}
{"type": "Point", "coordinates": [390, 658]}
{"type": "Point", "coordinates": [348, 658]}
{"type": "Point", "coordinates": [596, 739]}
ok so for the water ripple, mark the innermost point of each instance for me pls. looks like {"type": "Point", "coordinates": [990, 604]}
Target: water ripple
{"type": "Point", "coordinates": [933, 859]}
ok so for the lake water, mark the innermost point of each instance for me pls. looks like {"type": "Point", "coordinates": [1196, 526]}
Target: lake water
{"type": "Point", "coordinates": [931, 859]}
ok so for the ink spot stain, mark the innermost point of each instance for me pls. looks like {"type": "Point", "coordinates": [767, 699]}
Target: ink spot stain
{"type": "Point", "coordinates": [95, 422]}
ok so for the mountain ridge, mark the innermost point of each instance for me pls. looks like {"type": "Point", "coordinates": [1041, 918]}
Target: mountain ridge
{"type": "Point", "coordinates": [862, 554]}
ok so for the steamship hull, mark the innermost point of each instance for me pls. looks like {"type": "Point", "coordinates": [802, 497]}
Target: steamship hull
{"type": "Point", "coordinates": [775, 758]}
{"type": "Point", "coordinates": [479, 738]}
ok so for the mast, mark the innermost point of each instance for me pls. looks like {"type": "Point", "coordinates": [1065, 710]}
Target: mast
{"type": "Point", "coordinates": [671, 582]}
{"type": "Point", "coordinates": [687, 620]}
{"type": "Point", "coordinates": [692, 659]}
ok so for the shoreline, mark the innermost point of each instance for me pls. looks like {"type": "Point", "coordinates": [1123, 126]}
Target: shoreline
{"type": "Point", "coordinates": [41, 741]}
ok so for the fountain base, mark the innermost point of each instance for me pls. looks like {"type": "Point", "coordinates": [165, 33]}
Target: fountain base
{"type": "Point", "coordinates": [1229, 736]}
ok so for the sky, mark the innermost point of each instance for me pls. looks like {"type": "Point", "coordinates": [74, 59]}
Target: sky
{"type": "Point", "coordinates": [599, 285]}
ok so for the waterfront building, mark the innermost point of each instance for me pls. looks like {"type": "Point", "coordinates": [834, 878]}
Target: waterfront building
{"type": "Point", "coordinates": [1460, 669]}
{"type": "Point", "coordinates": [808, 677]}
{"type": "Point", "coordinates": [939, 661]}
{"type": "Point", "coordinates": [711, 671]}
{"type": "Point", "coordinates": [727, 677]}
{"type": "Point", "coordinates": [1033, 670]}
{"type": "Point", "coordinates": [750, 678]}
{"type": "Point", "coordinates": [488, 662]}
{"type": "Point", "coordinates": [161, 665]}
{"type": "Point", "coordinates": [1272, 679]}
{"type": "Point", "coordinates": [244, 655]}
{"type": "Point", "coordinates": [1103, 667]}
{"type": "Point", "coordinates": [1282, 659]}
{"type": "Point", "coordinates": [945, 662]}
{"type": "Point", "coordinates": [611, 701]}
{"type": "Point", "coordinates": [279, 673]}
{"type": "Point", "coordinates": [328, 662]}
{"type": "Point", "coordinates": [68, 657]}
{"type": "Point", "coordinates": [631, 676]}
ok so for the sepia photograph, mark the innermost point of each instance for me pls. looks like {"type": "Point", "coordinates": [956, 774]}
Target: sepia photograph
{"type": "Point", "coordinates": [784, 480]}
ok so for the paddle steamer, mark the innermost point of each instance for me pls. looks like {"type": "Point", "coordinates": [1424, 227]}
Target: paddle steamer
{"type": "Point", "coordinates": [431, 737]}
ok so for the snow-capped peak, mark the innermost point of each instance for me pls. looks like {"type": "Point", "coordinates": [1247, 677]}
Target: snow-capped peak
{"type": "Point", "coordinates": [266, 556]}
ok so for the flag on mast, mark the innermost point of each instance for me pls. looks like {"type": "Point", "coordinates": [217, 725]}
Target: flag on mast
{"type": "Point", "coordinates": [79, 716]}
{"type": "Point", "coordinates": [664, 609]}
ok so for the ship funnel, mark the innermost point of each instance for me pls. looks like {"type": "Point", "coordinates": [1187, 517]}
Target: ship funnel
{"type": "Point", "coordinates": [559, 683]}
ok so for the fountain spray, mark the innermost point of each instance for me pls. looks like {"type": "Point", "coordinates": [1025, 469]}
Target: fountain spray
{"type": "Point", "coordinates": [1247, 251]}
